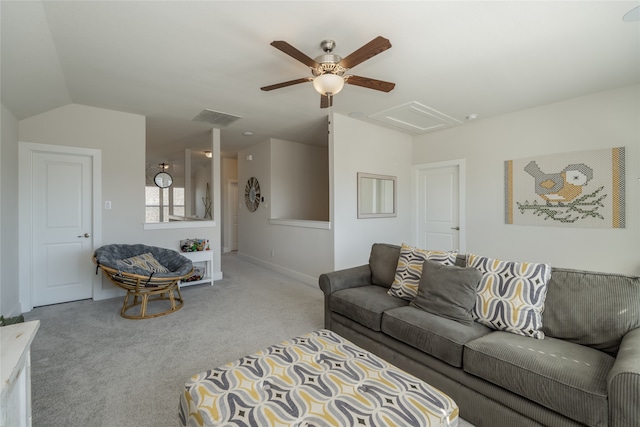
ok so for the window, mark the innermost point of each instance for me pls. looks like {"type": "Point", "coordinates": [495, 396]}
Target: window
{"type": "Point", "coordinates": [160, 203]}
{"type": "Point", "coordinates": [178, 201]}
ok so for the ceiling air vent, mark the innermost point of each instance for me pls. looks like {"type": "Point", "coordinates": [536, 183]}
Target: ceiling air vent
{"type": "Point", "coordinates": [415, 118]}
{"type": "Point", "coordinates": [216, 118]}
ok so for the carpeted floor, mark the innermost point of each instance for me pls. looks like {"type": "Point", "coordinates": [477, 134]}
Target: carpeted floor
{"type": "Point", "coordinates": [91, 367]}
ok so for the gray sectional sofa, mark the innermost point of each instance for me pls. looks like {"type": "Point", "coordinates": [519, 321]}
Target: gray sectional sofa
{"type": "Point", "coordinates": [586, 370]}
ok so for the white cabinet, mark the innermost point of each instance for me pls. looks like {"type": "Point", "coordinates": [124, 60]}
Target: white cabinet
{"type": "Point", "coordinates": [200, 259]}
{"type": "Point", "coordinates": [15, 370]}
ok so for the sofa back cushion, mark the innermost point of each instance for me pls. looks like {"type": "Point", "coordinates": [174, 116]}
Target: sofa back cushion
{"type": "Point", "coordinates": [448, 291]}
{"type": "Point", "coordinates": [383, 262]}
{"type": "Point", "coordinates": [511, 295]}
{"type": "Point", "coordinates": [409, 269]}
{"type": "Point", "coordinates": [590, 308]}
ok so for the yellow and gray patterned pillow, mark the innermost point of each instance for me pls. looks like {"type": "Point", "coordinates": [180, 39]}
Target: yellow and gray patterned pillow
{"type": "Point", "coordinates": [145, 262]}
{"type": "Point", "coordinates": [409, 269]}
{"type": "Point", "coordinates": [510, 296]}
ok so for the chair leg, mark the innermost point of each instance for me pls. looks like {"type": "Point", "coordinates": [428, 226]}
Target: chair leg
{"type": "Point", "coordinates": [143, 296]}
{"type": "Point", "coordinates": [171, 299]}
{"type": "Point", "coordinates": [179, 295]}
{"type": "Point", "coordinates": [143, 306]}
{"type": "Point", "coordinates": [124, 304]}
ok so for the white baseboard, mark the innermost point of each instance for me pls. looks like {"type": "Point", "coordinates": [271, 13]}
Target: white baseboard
{"type": "Point", "coordinates": [100, 294]}
{"type": "Point", "coordinates": [306, 279]}
{"type": "Point", "coordinates": [15, 311]}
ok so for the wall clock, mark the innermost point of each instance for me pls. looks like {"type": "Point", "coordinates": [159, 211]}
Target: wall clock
{"type": "Point", "coordinates": [163, 180]}
{"type": "Point", "coordinates": [252, 194]}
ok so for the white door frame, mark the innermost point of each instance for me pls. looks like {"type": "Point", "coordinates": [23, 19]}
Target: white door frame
{"type": "Point", "coordinates": [25, 209]}
{"type": "Point", "coordinates": [461, 164]}
{"type": "Point", "coordinates": [229, 217]}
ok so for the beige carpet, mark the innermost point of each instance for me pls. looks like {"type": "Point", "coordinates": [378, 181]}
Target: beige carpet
{"type": "Point", "coordinates": [91, 367]}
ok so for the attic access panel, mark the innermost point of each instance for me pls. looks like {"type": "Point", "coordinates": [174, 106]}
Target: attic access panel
{"type": "Point", "coordinates": [216, 118]}
{"type": "Point", "coordinates": [415, 118]}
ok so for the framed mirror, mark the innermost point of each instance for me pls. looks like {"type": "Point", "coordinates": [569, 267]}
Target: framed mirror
{"type": "Point", "coordinates": [376, 196]}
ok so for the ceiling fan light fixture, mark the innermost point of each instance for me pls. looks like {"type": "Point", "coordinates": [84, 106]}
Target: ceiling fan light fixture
{"type": "Point", "coordinates": [328, 84]}
{"type": "Point", "coordinates": [328, 70]}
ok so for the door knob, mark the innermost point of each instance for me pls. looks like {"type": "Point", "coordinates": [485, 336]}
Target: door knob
{"type": "Point", "coordinates": [85, 235]}
{"type": "Point", "coordinates": [455, 228]}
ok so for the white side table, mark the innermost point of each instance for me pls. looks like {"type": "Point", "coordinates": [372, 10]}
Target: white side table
{"type": "Point", "coordinates": [15, 370]}
{"type": "Point", "coordinates": [205, 257]}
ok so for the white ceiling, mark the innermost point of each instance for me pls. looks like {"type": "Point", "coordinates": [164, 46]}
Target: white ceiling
{"type": "Point", "coordinates": [170, 60]}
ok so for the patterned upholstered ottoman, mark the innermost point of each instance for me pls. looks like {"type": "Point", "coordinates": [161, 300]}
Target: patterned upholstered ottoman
{"type": "Point", "coordinates": [319, 379]}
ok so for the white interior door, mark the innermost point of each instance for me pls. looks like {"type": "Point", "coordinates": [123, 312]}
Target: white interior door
{"type": "Point", "coordinates": [62, 224]}
{"type": "Point", "coordinates": [439, 225]}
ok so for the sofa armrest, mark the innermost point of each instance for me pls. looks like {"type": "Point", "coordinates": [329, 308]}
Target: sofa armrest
{"type": "Point", "coordinates": [623, 382]}
{"type": "Point", "coordinates": [344, 279]}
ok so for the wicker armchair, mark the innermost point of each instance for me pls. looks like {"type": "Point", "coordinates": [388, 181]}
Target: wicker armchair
{"type": "Point", "coordinates": [147, 273]}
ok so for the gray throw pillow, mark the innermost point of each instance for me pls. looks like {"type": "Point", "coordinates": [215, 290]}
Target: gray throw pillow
{"type": "Point", "coordinates": [383, 262]}
{"type": "Point", "coordinates": [448, 291]}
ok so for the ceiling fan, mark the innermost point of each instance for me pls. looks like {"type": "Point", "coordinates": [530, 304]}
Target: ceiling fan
{"type": "Point", "coordinates": [329, 69]}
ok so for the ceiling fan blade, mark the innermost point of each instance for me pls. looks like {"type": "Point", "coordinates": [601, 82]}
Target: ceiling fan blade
{"type": "Point", "coordinates": [370, 83]}
{"type": "Point", "coordinates": [326, 101]}
{"type": "Point", "coordinates": [369, 50]}
{"type": "Point", "coordinates": [294, 53]}
{"type": "Point", "coordinates": [285, 84]}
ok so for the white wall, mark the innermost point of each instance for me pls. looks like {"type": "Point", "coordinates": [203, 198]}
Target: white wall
{"type": "Point", "coordinates": [9, 290]}
{"type": "Point", "coordinates": [602, 120]}
{"type": "Point", "coordinates": [202, 177]}
{"type": "Point", "coordinates": [121, 137]}
{"type": "Point", "coordinates": [357, 146]}
{"type": "Point", "coordinates": [298, 251]}
{"type": "Point", "coordinates": [299, 181]}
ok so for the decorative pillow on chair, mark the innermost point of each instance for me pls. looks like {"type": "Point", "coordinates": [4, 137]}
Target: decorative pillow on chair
{"type": "Point", "coordinates": [510, 296]}
{"type": "Point", "coordinates": [409, 269]}
{"type": "Point", "coordinates": [448, 291]}
{"type": "Point", "coordinates": [145, 262]}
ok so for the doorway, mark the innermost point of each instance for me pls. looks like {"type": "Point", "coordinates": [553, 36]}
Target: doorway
{"type": "Point", "coordinates": [440, 211]}
{"type": "Point", "coordinates": [60, 223]}
{"type": "Point", "coordinates": [232, 215]}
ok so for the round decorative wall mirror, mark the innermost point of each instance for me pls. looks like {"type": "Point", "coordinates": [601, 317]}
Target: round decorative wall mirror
{"type": "Point", "coordinates": [252, 194]}
{"type": "Point", "coordinates": [163, 180]}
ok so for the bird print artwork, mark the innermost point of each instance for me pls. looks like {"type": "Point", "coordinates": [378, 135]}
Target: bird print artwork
{"type": "Point", "coordinates": [576, 189]}
{"type": "Point", "coordinates": [560, 187]}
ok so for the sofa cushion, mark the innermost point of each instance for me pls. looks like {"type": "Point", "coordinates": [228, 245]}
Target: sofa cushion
{"type": "Point", "coordinates": [364, 304]}
{"type": "Point", "coordinates": [562, 376]}
{"type": "Point", "coordinates": [448, 291]}
{"type": "Point", "coordinates": [510, 295]}
{"type": "Point", "coordinates": [383, 261]}
{"type": "Point", "coordinates": [441, 338]}
{"type": "Point", "coordinates": [112, 255]}
{"type": "Point", "coordinates": [592, 309]}
{"type": "Point", "coordinates": [145, 262]}
{"type": "Point", "coordinates": [409, 269]}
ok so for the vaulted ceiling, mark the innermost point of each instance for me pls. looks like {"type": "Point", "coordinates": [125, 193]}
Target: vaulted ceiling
{"type": "Point", "coordinates": [169, 60]}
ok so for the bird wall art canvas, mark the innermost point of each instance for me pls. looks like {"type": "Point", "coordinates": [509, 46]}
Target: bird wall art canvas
{"type": "Point", "coordinates": [579, 189]}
